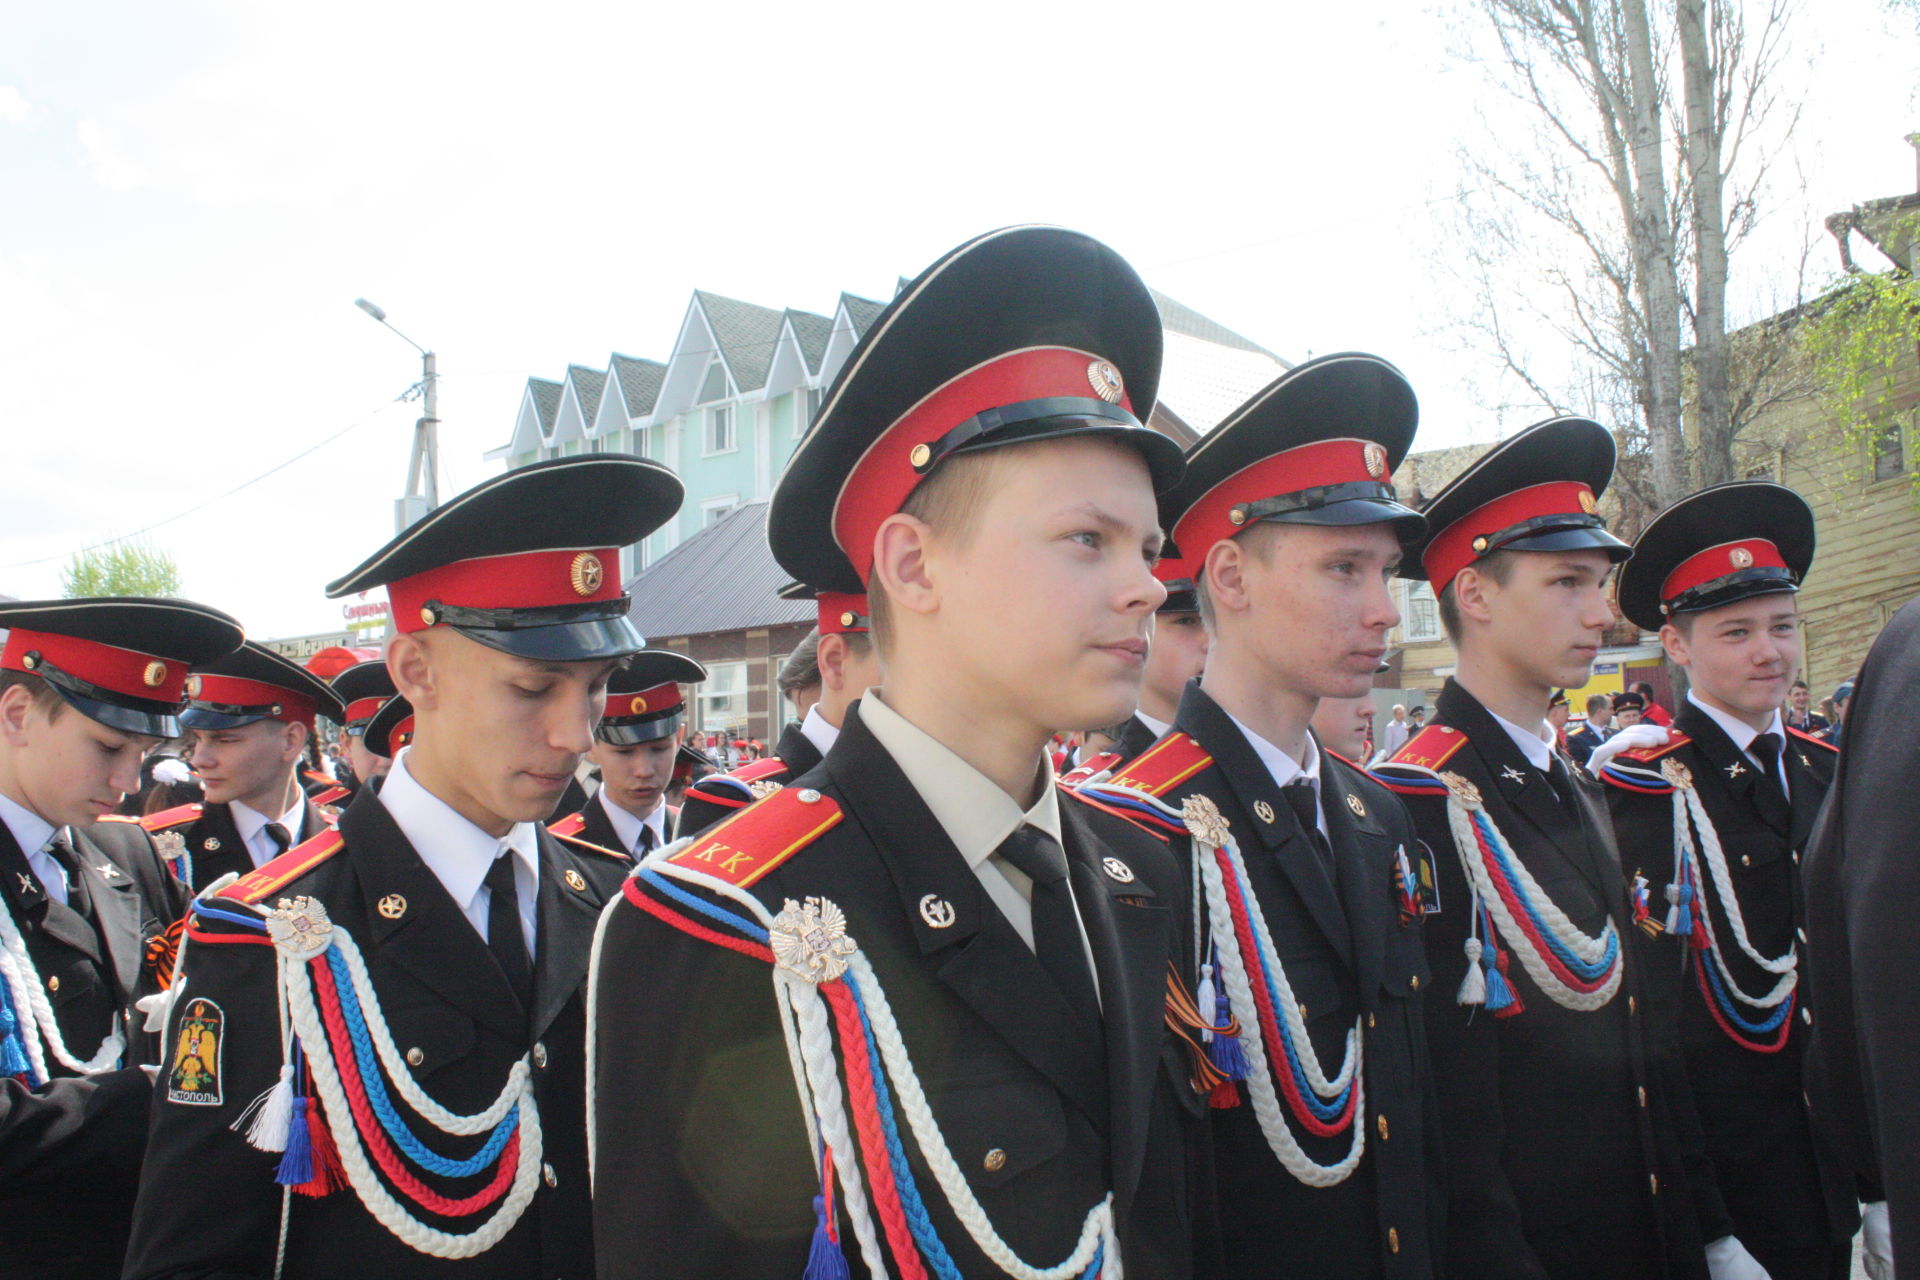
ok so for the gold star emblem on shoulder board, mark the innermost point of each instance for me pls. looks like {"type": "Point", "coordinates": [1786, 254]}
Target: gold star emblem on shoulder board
{"type": "Point", "coordinates": [393, 906]}
{"type": "Point", "coordinates": [575, 881]}
{"type": "Point", "coordinates": [1735, 769]}
{"type": "Point", "coordinates": [1512, 774]}
{"type": "Point", "coordinates": [1263, 811]}
{"type": "Point", "coordinates": [1358, 805]}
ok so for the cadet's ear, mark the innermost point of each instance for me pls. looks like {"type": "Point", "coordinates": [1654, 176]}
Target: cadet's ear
{"type": "Point", "coordinates": [900, 565]}
{"type": "Point", "coordinates": [410, 663]}
{"type": "Point", "coordinates": [1472, 594]}
{"type": "Point", "coordinates": [1225, 569]}
{"type": "Point", "coordinates": [15, 701]}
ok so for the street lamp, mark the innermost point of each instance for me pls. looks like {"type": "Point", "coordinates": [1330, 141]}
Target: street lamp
{"type": "Point", "coordinates": [423, 466]}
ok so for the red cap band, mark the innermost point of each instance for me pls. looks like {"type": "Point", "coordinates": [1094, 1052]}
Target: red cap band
{"type": "Point", "coordinates": [122, 671]}
{"type": "Point", "coordinates": [527, 580]}
{"type": "Point", "coordinates": [231, 691]}
{"type": "Point", "coordinates": [880, 483]}
{"type": "Point", "coordinates": [1718, 562]}
{"type": "Point", "coordinates": [364, 709]}
{"type": "Point", "coordinates": [401, 735]}
{"type": "Point", "coordinates": [842, 614]}
{"type": "Point", "coordinates": [1323, 462]}
{"type": "Point", "coordinates": [1453, 549]}
{"type": "Point", "coordinates": [658, 700]}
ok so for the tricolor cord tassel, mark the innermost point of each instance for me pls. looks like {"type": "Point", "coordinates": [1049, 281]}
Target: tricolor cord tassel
{"type": "Point", "coordinates": [269, 1116]}
{"type": "Point", "coordinates": [296, 1164]}
{"type": "Point", "coordinates": [1680, 914]}
{"type": "Point", "coordinates": [1502, 999]}
{"type": "Point", "coordinates": [328, 1173]}
{"type": "Point", "coordinates": [825, 1261]}
{"type": "Point", "coordinates": [1473, 987]}
{"type": "Point", "coordinates": [1223, 1047]}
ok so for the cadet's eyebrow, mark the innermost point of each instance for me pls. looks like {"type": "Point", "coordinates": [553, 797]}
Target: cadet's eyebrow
{"type": "Point", "coordinates": [1107, 520]}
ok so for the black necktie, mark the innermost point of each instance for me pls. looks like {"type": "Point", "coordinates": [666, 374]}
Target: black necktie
{"type": "Point", "coordinates": [1056, 926]}
{"type": "Point", "coordinates": [1772, 797]}
{"type": "Point", "coordinates": [644, 845]}
{"type": "Point", "coordinates": [278, 834]}
{"type": "Point", "coordinates": [504, 938]}
{"type": "Point", "coordinates": [1303, 798]}
{"type": "Point", "coordinates": [62, 852]}
{"type": "Point", "coordinates": [1560, 780]}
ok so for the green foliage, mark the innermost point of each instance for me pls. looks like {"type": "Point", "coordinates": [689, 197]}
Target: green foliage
{"type": "Point", "coordinates": [1861, 337]}
{"type": "Point", "coordinates": [135, 568]}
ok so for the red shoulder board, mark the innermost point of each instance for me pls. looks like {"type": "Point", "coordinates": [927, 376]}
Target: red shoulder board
{"type": "Point", "coordinates": [745, 847]}
{"type": "Point", "coordinates": [760, 770]}
{"type": "Point", "coordinates": [286, 868]}
{"type": "Point", "coordinates": [178, 816]}
{"type": "Point", "coordinates": [1430, 748]}
{"type": "Point", "coordinates": [1096, 764]}
{"type": "Point", "coordinates": [568, 827]}
{"type": "Point", "coordinates": [332, 795]}
{"type": "Point", "coordinates": [1164, 765]}
{"type": "Point", "coordinates": [1647, 755]}
{"type": "Point", "coordinates": [575, 842]}
{"type": "Point", "coordinates": [1818, 742]}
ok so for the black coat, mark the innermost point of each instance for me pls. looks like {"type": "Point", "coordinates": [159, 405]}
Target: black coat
{"type": "Point", "coordinates": [1557, 1123]}
{"type": "Point", "coordinates": [1134, 738]}
{"type": "Point", "coordinates": [1862, 886]}
{"type": "Point", "coordinates": [1783, 1187]}
{"type": "Point", "coordinates": [713, 798]}
{"type": "Point", "coordinates": [596, 828]}
{"type": "Point", "coordinates": [212, 839]}
{"type": "Point", "coordinates": [1348, 956]}
{"type": "Point", "coordinates": [208, 1203]}
{"type": "Point", "coordinates": [1582, 741]}
{"type": "Point", "coordinates": [91, 957]}
{"type": "Point", "coordinates": [703, 1165]}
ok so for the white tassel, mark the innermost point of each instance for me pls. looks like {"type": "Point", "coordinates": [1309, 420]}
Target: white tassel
{"type": "Point", "coordinates": [1473, 987]}
{"type": "Point", "coordinates": [272, 1114]}
{"type": "Point", "coordinates": [1203, 1001]}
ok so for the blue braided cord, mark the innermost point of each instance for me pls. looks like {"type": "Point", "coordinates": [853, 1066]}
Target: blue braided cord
{"type": "Point", "coordinates": [1327, 1111]}
{"type": "Point", "coordinates": [1650, 784]}
{"type": "Point", "coordinates": [1725, 1001]}
{"type": "Point", "coordinates": [1586, 970]}
{"type": "Point", "coordinates": [247, 918]}
{"type": "Point", "coordinates": [1135, 805]}
{"type": "Point", "coordinates": [721, 777]}
{"type": "Point", "coordinates": [705, 908]}
{"type": "Point", "coordinates": [376, 1086]}
{"type": "Point", "coordinates": [918, 1221]}
{"type": "Point", "coordinates": [1420, 780]}
{"type": "Point", "coordinates": [1093, 1268]}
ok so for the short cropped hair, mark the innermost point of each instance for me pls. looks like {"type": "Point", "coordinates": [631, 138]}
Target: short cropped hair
{"type": "Point", "coordinates": [801, 670]}
{"type": "Point", "coordinates": [949, 503]}
{"type": "Point", "coordinates": [45, 697]}
{"type": "Point", "coordinates": [1598, 704]}
{"type": "Point", "coordinates": [1259, 540]}
{"type": "Point", "coordinates": [1498, 566]}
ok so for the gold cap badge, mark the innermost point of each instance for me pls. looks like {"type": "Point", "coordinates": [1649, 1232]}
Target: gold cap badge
{"type": "Point", "coordinates": [586, 573]}
{"type": "Point", "coordinates": [155, 675]}
{"type": "Point", "coordinates": [1741, 558]}
{"type": "Point", "coordinates": [1376, 460]}
{"type": "Point", "coordinates": [637, 705]}
{"type": "Point", "coordinates": [193, 684]}
{"type": "Point", "coordinates": [1106, 381]}
{"type": "Point", "coordinates": [1587, 504]}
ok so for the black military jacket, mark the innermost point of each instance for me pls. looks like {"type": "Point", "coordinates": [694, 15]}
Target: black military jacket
{"type": "Point", "coordinates": [91, 957]}
{"type": "Point", "coordinates": [702, 1160]}
{"type": "Point", "coordinates": [708, 801]}
{"type": "Point", "coordinates": [209, 1206]}
{"type": "Point", "coordinates": [1134, 738]}
{"type": "Point", "coordinates": [1782, 1183]}
{"type": "Point", "coordinates": [1582, 741]}
{"type": "Point", "coordinates": [591, 824]}
{"type": "Point", "coordinates": [212, 838]}
{"type": "Point", "coordinates": [1348, 956]}
{"type": "Point", "coordinates": [1560, 1127]}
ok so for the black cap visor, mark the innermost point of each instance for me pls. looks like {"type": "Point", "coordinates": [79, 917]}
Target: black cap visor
{"type": "Point", "coordinates": [379, 731]}
{"type": "Point", "coordinates": [1061, 418]}
{"type": "Point", "coordinates": [1183, 596]}
{"type": "Point", "coordinates": [631, 731]}
{"type": "Point", "coordinates": [1742, 584]}
{"type": "Point", "coordinates": [1559, 533]}
{"type": "Point", "coordinates": [213, 715]}
{"type": "Point", "coordinates": [1342, 505]}
{"type": "Point", "coordinates": [152, 719]}
{"type": "Point", "coordinates": [569, 633]}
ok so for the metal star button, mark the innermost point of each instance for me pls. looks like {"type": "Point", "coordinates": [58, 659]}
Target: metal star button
{"type": "Point", "coordinates": [1358, 806]}
{"type": "Point", "coordinates": [211, 844]}
{"type": "Point", "coordinates": [393, 906]}
{"type": "Point", "coordinates": [810, 941]}
{"type": "Point", "coordinates": [1263, 811]}
{"type": "Point", "coordinates": [1117, 870]}
{"type": "Point", "coordinates": [937, 911]}
{"type": "Point", "coordinates": [575, 881]}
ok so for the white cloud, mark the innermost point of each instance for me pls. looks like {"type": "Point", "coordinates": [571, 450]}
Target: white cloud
{"type": "Point", "coordinates": [14, 107]}
{"type": "Point", "coordinates": [106, 162]}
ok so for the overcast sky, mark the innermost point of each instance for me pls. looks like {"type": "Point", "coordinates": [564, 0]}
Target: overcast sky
{"type": "Point", "coordinates": [192, 195]}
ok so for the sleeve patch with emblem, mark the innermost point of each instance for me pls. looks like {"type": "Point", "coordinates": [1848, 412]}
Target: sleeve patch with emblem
{"type": "Point", "coordinates": [193, 1078]}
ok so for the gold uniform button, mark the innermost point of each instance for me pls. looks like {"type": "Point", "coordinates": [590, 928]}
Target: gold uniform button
{"type": "Point", "coordinates": [53, 983]}
{"type": "Point", "coordinates": [1393, 1239]}
{"type": "Point", "coordinates": [548, 1176]}
{"type": "Point", "coordinates": [1746, 859]}
{"type": "Point", "coordinates": [1303, 1011]}
{"type": "Point", "coordinates": [539, 1054]}
{"type": "Point", "coordinates": [996, 1160]}
{"type": "Point", "coordinates": [1382, 1126]}
{"type": "Point", "coordinates": [415, 1057]}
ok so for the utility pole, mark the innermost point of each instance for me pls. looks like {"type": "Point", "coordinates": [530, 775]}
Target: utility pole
{"type": "Point", "coordinates": [423, 464]}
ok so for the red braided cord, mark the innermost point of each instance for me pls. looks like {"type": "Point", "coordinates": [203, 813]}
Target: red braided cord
{"type": "Point", "coordinates": [1510, 896]}
{"type": "Point", "coordinates": [660, 910]}
{"type": "Point", "coordinates": [873, 1145]}
{"type": "Point", "coordinates": [1734, 1033]}
{"type": "Point", "coordinates": [1269, 1024]}
{"type": "Point", "coordinates": [369, 1125]}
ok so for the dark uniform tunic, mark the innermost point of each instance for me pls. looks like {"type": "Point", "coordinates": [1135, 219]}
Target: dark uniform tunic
{"type": "Point", "coordinates": [594, 825]}
{"type": "Point", "coordinates": [209, 1205]}
{"type": "Point", "coordinates": [212, 839]}
{"type": "Point", "coordinates": [91, 957]}
{"type": "Point", "coordinates": [1348, 956]}
{"type": "Point", "coordinates": [713, 798]}
{"type": "Point", "coordinates": [703, 1167]}
{"type": "Point", "coordinates": [1790, 1198]}
{"type": "Point", "coordinates": [1564, 1156]}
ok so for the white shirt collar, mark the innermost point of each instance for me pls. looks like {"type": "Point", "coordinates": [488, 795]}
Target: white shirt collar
{"type": "Point", "coordinates": [30, 831]}
{"type": "Point", "coordinates": [1284, 768]}
{"type": "Point", "coordinates": [817, 731]}
{"type": "Point", "coordinates": [627, 827]}
{"type": "Point", "coordinates": [457, 852]}
{"type": "Point", "coordinates": [1535, 744]}
{"type": "Point", "coordinates": [975, 813]}
{"type": "Point", "coordinates": [248, 821]}
{"type": "Point", "coordinates": [1160, 727]}
{"type": "Point", "coordinates": [1739, 730]}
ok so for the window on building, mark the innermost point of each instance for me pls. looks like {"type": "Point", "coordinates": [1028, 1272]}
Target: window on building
{"type": "Point", "coordinates": [812, 401]}
{"type": "Point", "coordinates": [722, 698]}
{"type": "Point", "coordinates": [1422, 613]}
{"type": "Point", "coordinates": [720, 429]}
{"type": "Point", "coordinates": [1888, 447]}
{"type": "Point", "coordinates": [714, 510]}
{"type": "Point", "coordinates": [714, 387]}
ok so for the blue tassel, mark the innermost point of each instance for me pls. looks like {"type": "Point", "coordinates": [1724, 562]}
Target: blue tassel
{"type": "Point", "coordinates": [1499, 990]}
{"type": "Point", "coordinates": [13, 1059]}
{"type": "Point", "coordinates": [296, 1166]}
{"type": "Point", "coordinates": [825, 1261]}
{"type": "Point", "coordinates": [1679, 915]}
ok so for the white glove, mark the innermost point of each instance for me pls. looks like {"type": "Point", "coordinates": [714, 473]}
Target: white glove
{"type": "Point", "coordinates": [1727, 1258]}
{"type": "Point", "coordinates": [1876, 1240]}
{"type": "Point", "coordinates": [1628, 739]}
{"type": "Point", "coordinates": [172, 770]}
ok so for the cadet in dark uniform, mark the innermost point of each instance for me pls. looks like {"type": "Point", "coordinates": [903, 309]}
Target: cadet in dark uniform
{"type": "Point", "coordinates": [980, 466]}
{"type": "Point", "coordinates": [1563, 1157]}
{"type": "Point", "coordinates": [87, 688]}
{"type": "Point", "coordinates": [419, 1107]}
{"type": "Point", "coordinates": [637, 746]}
{"type": "Point", "coordinates": [1715, 575]}
{"type": "Point", "coordinates": [848, 664]}
{"type": "Point", "coordinates": [1862, 881]}
{"type": "Point", "coordinates": [363, 689]}
{"type": "Point", "coordinates": [251, 715]}
{"type": "Point", "coordinates": [1289, 520]}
